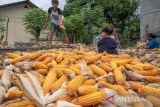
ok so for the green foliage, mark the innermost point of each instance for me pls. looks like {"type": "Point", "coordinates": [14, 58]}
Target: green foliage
{"type": "Point", "coordinates": [92, 15]}
{"type": "Point", "coordinates": [34, 20]}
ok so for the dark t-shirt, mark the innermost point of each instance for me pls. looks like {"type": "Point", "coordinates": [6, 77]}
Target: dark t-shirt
{"type": "Point", "coordinates": [55, 14]}
{"type": "Point", "coordinates": [107, 44]}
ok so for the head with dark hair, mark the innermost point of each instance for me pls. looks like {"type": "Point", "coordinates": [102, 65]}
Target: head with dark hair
{"type": "Point", "coordinates": [55, 3]}
{"type": "Point", "coordinates": [107, 31]}
{"type": "Point", "coordinates": [151, 36]}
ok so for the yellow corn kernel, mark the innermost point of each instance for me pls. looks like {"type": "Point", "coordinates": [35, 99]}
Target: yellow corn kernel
{"type": "Point", "coordinates": [86, 89]}
{"type": "Point", "coordinates": [17, 59]}
{"type": "Point", "coordinates": [91, 59]}
{"type": "Point", "coordinates": [97, 70]}
{"type": "Point", "coordinates": [59, 83]}
{"type": "Point", "coordinates": [59, 58]}
{"type": "Point", "coordinates": [20, 104]}
{"type": "Point", "coordinates": [13, 94]}
{"type": "Point", "coordinates": [47, 60]}
{"type": "Point", "coordinates": [67, 71]}
{"type": "Point", "coordinates": [154, 100]}
{"type": "Point", "coordinates": [42, 57]}
{"type": "Point", "coordinates": [118, 88]}
{"type": "Point", "coordinates": [138, 104]}
{"type": "Point", "coordinates": [149, 90]}
{"type": "Point", "coordinates": [113, 65]}
{"type": "Point", "coordinates": [152, 78]}
{"type": "Point", "coordinates": [39, 65]}
{"type": "Point", "coordinates": [148, 66]}
{"type": "Point", "coordinates": [66, 98]}
{"type": "Point", "coordinates": [42, 71]}
{"type": "Point", "coordinates": [54, 62]}
{"type": "Point", "coordinates": [75, 83]}
{"type": "Point", "coordinates": [90, 99]}
{"type": "Point", "coordinates": [119, 76]}
{"type": "Point", "coordinates": [50, 79]}
{"type": "Point", "coordinates": [40, 79]}
{"type": "Point", "coordinates": [35, 55]}
{"type": "Point", "coordinates": [135, 85]}
{"type": "Point", "coordinates": [76, 71]}
{"type": "Point", "coordinates": [90, 82]}
{"type": "Point", "coordinates": [12, 55]}
{"type": "Point", "coordinates": [59, 72]}
{"type": "Point", "coordinates": [105, 67]}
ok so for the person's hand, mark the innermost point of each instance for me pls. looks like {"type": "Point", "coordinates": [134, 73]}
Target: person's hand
{"type": "Point", "coordinates": [62, 26]}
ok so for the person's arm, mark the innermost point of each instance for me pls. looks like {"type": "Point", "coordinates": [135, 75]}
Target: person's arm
{"type": "Point", "coordinates": [48, 17]}
{"type": "Point", "coordinates": [60, 16]}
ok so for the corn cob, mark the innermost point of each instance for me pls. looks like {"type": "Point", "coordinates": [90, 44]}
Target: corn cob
{"type": "Point", "coordinates": [50, 79]}
{"type": "Point", "coordinates": [59, 72]}
{"type": "Point", "coordinates": [60, 66]}
{"type": "Point", "coordinates": [35, 55]}
{"type": "Point", "coordinates": [39, 65]}
{"type": "Point", "coordinates": [64, 62]}
{"type": "Point", "coordinates": [91, 59]}
{"type": "Point", "coordinates": [154, 100]}
{"type": "Point", "coordinates": [58, 83]}
{"type": "Point", "coordinates": [40, 79]}
{"type": "Point", "coordinates": [135, 86]}
{"type": "Point", "coordinates": [113, 65]}
{"type": "Point", "coordinates": [136, 61]}
{"type": "Point", "coordinates": [102, 80]}
{"type": "Point", "coordinates": [20, 104]}
{"type": "Point", "coordinates": [17, 59]}
{"type": "Point", "coordinates": [86, 89]}
{"type": "Point", "coordinates": [54, 62]}
{"type": "Point", "coordinates": [42, 71]}
{"type": "Point", "coordinates": [67, 71]}
{"type": "Point", "coordinates": [152, 78]}
{"type": "Point", "coordinates": [90, 99]}
{"type": "Point", "coordinates": [47, 60]}
{"type": "Point", "coordinates": [148, 66]}
{"type": "Point", "coordinates": [138, 104]}
{"type": "Point", "coordinates": [105, 67]}
{"type": "Point", "coordinates": [118, 88]}
{"type": "Point", "coordinates": [97, 70]}
{"type": "Point", "coordinates": [75, 83]}
{"type": "Point", "coordinates": [65, 98]}
{"type": "Point", "coordinates": [149, 90]}
{"type": "Point", "coordinates": [76, 66]}
{"type": "Point", "coordinates": [76, 71]}
{"type": "Point", "coordinates": [42, 57]}
{"type": "Point", "coordinates": [119, 76]}
{"type": "Point", "coordinates": [72, 60]}
{"type": "Point", "coordinates": [142, 72]}
{"type": "Point", "coordinates": [123, 62]}
{"type": "Point", "coordinates": [136, 66]}
{"type": "Point", "coordinates": [13, 94]}
{"type": "Point", "coordinates": [59, 58]}
{"type": "Point", "coordinates": [90, 82]}
{"type": "Point", "coordinates": [12, 55]}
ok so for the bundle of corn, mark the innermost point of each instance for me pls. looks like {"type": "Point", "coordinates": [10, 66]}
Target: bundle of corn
{"type": "Point", "coordinates": [76, 78]}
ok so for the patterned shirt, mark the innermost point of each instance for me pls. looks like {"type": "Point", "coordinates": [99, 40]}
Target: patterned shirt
{"type": "Point", "coordinates": [55, 15]}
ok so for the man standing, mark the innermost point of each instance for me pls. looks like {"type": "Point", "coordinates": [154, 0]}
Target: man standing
{"type": "Point", "coordinates": [56, 25]}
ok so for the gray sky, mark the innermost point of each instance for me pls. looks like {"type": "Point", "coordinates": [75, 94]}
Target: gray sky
{"type": "Point", "coordinates": [41, 3]}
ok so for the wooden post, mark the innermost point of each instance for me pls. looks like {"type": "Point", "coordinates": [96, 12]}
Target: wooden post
{"type": "Point", "coordinates": [7, 29]}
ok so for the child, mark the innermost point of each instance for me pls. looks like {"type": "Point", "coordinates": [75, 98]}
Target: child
{"type": "Point", "coordinates": [153, 42]}
{"type": "Point", "coordinates": [107, 43]}
{"type": "Point", "coordinates": [55, 14]}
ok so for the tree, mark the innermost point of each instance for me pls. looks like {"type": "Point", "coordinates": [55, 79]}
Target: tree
{"type": "Point", "coordinates": [34, 20]}
{"type": "Point", "coordinates": [97, 13]}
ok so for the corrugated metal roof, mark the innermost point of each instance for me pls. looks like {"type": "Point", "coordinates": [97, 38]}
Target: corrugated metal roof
{"type": "Point", "coordinates": [17, 2]}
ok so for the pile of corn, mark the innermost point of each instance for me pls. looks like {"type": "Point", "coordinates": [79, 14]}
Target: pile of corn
{"type": "Point", "coordinates": [78, 78]}
{"type": "Point", "coordinates": [145, 55]}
